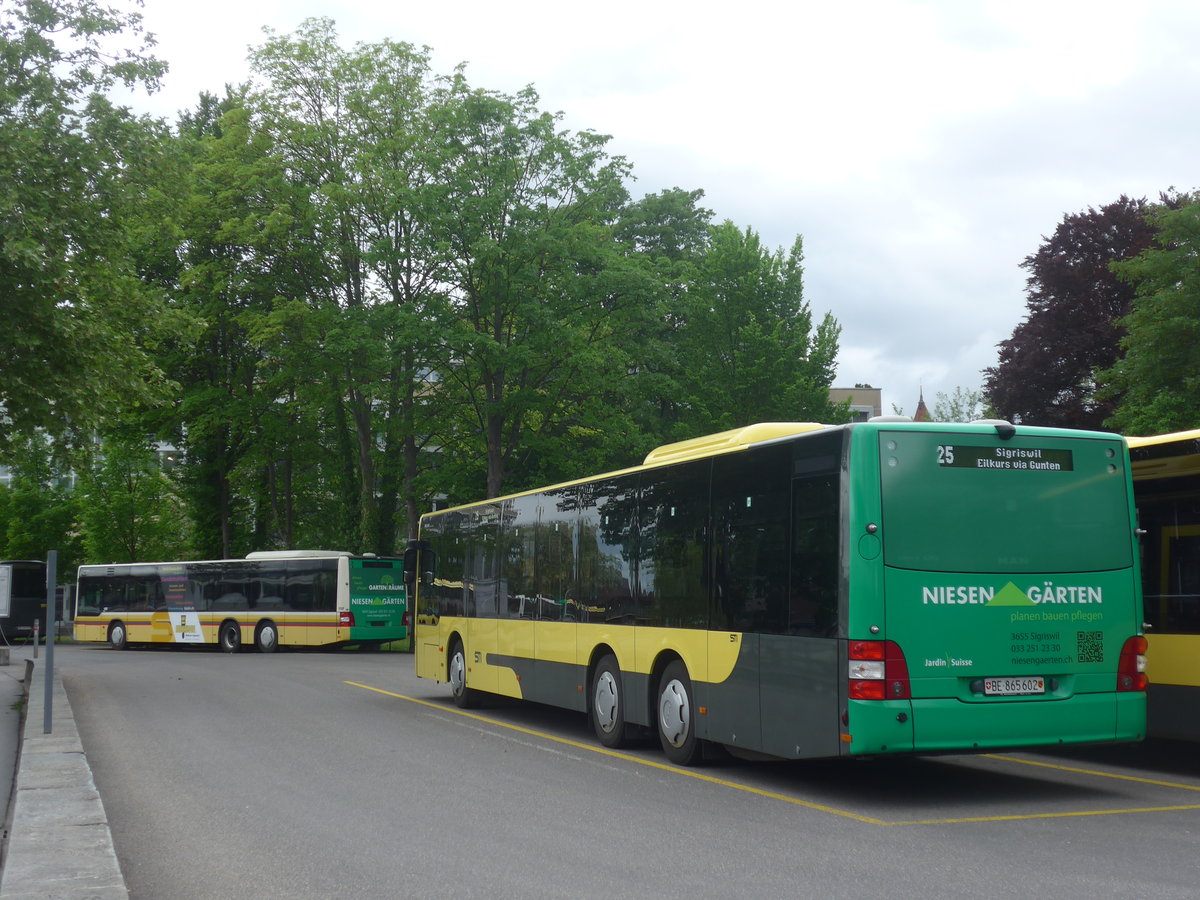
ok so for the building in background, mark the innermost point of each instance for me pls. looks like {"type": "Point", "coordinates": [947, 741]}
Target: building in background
{"type": "Point", "coordinates": [865, 401]}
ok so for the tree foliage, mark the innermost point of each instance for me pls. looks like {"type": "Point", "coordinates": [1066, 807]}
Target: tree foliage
{"type": "Point", "coordinates": [130, 507]}
{"type": "Point", "coordinates": [370, 287]}
{"type": "Point", "coordinates": [963, 405]}
{"type": "Point", "coordinates": [78, 327]}
{"type": "Point", "coordinates": [1157, 380]}
{"type": "Point", "coordinates": [1046, 374]}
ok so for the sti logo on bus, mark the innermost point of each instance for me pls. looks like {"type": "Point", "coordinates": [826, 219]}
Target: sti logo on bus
{"type": "Point", "coordinates": [1010, 595]}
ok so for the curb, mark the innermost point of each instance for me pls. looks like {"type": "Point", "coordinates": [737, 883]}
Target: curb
{"type": "Point", "coordinates": [60, 845]}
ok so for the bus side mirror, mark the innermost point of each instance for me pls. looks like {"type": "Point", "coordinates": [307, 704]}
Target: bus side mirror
{"type": "Point", "coordinates": [410, 564]}
{"type": "Point", "coordinates": [419, 557]}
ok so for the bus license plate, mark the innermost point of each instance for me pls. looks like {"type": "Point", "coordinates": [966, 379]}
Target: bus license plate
{"type": "Point", "coordinates": [1008, 687]}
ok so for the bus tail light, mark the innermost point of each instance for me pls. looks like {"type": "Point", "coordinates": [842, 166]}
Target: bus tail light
{"type": "Point", "coordinates": [346, 619]}
{"type": "Point", "coordinates": [878, 671]}
{"type": "Point", "coordinates": [1131, 670]}
{"type": "Point", "coordinates": [404, 619]}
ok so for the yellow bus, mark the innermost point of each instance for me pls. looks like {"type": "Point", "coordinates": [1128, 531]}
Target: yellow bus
{"type": "Point", "coordinates": [300, 598]}
{"type": "Point", "coordinates": [798, 590]}
{"type": "Point", "coordinates": [1166, 483]}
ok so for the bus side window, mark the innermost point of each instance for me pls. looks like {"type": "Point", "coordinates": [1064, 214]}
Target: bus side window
{"type": "Point", "coordinates": [814, 591]}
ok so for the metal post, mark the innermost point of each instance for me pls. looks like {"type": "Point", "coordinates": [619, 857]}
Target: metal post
{"type": "Point", "coordinates": [51, 630]}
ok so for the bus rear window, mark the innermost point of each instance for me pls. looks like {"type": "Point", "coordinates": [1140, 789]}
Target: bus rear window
{"type": "Point", "coordinates": [964, 503]}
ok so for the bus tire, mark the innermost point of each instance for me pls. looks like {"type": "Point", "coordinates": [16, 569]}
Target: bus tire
{"type": "Point", "coordinates": [266, 639]}
{"type": "Point", "coordinates": [676, 713]}
{"type": "Point", "coordinates": [230, 637]}
{"type": "Point", "coordinates": [608, 704]}
{"type": "Point", "coordinates": [118, 636]}
{"type": "Point", "coordinates": [464, 697]}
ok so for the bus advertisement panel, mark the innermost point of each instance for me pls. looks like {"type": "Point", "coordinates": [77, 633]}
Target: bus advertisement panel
{"type": "Point", "coordinates": [805, 591]}
{"type": "Point", "coordinates": [289, 598]}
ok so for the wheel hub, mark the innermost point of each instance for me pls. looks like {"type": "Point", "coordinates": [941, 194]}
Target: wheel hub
{"type": "Point", "coordinates": [606, 701]}
{"type": "Point", "coordinates": [674, 713]}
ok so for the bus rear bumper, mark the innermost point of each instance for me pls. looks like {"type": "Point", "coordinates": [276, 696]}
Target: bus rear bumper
{"type": "Point", "coordinates": [940, 726]}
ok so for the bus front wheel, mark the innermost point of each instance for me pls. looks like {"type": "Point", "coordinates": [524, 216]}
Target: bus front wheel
{"type": "Point", "coordinates": [464, 697]}
{"type": "Point", "coordinates": [608, 704]}
{"type": "Point", "coordinates": [230, 637]}
{"type": "Point", "coordinates": [118, 637]}
{"type": "Point", "coordinates": [676, 716]}
{"type": "Point", "coordinates": [267, 638]}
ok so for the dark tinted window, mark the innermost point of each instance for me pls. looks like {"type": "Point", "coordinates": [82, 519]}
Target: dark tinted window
{"type": "Point", "coordinates": [1169, 514]}
{"type": "Point", "coordinates": [481, 527]}
{"type": "Point", "coordinates": [446, 596]}
{"type": "Point", "coordinates": [555, 550]}
{"type": "Point", "coordinates": [750, 549]}
{"type": "Point", "coordinates": [607, 516]}
{"type": "Point", "coordinates": [816, 517]}
{"type": "Point", "coordinates": [518, 560]}
{"type": "Point", "coordinates": [673, 577]}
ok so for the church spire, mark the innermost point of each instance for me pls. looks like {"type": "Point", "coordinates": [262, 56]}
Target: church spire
{"type": "Point", "coordinates": [922, 413]}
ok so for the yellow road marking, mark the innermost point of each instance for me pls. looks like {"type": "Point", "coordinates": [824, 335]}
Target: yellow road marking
{"type": "Point", "coordinates": [795, 801]}
{"type": "Point", "coordinates": [1098, 774]}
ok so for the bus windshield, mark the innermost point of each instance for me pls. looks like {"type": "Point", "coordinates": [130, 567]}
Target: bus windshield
{"type": "Point", "coordinates": [959, 503]}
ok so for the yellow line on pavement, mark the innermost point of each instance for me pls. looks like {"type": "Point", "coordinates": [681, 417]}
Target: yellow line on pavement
{"type": "Point", "coordinates": [1094, 772]}
{"type": "Point", "coordinates": [616, 754]}
{"type": "Point", "coordinates": [1057, 815]}
{"type": "Point", "coordinates": [832, 810]}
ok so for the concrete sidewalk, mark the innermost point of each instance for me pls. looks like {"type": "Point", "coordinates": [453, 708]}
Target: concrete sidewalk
{"type": "Point", "coordinates": [59, 843]}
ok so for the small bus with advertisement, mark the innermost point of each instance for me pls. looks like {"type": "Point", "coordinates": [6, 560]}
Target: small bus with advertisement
{"type": "Point", "coordinates": [291, 598]}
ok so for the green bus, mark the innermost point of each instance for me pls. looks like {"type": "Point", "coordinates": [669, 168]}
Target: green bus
{"type": "Point", "coordinates": [297, 598]}
{"type": "Point", "coordinates": [803, 591]}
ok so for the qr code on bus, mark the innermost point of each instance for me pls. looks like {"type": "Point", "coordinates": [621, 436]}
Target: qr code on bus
{"type": "Point", "coordinates": [1091, 646]}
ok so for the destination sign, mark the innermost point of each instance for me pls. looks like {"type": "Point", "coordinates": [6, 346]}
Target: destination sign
{"type": "Point", "coordinates": [1013, 459]}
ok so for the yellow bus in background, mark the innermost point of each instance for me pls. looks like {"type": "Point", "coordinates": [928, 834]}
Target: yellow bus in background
{"type": "Point", "coordinates": [1166, 485]}
{"type": "Point", "coordinates": [298, 598]}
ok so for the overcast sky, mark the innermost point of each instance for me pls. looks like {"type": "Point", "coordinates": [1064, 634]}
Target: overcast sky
{"type": "Point", "coordinates": [922, 148]}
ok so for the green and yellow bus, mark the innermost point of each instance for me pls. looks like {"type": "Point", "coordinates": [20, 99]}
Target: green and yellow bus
{"type": "Point", "coordinates": [800, 591]}
{"type": "Point", "coordinates": [299, 598]}
{"type": "Point", "coordinates": [1166, 485]}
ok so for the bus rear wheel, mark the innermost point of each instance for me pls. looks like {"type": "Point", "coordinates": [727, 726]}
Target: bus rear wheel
{"type": "Point", "coordinates": [267, 637]}
{"type": "Point", "coordinates": [464, 697]}
{"type": "Point", "coordinates": [676, 716]}
{"type": "Point", "coordinates": [118, 637]}
{"type": "Point", "coordinates": [230, 637]}
{"type": "Point", "coordinates": [608, 704]}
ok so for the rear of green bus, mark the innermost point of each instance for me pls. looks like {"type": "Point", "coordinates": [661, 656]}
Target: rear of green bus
{"type": "Point", "coordinates": [378, 604]}
{"type": "Point", "coordinates": [993, 589]}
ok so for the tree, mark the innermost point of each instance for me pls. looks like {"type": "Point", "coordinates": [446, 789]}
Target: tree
{"type": "Point", "coordinates": [363, 132]}
{"type": "Point", "coordinates": [1046, 370]}
{"type": "Point", "coordinates": [961, 406]}
{"type": "Point", "coordinates": [539, 291]}
{"type": "Point", "coordinates": [130, 508]}
{"type": "Point", "coordinates": [752, 353]}
{"type": "Point", "coordinates": [1157, 382]}
{"type": "Point", "coordinates": [38, 511]}
{"type": "Point", "coordinates": [78, 329]}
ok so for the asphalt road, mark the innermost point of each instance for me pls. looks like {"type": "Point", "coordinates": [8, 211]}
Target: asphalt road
{"type": "Point", "coordinates": [341, 774]}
